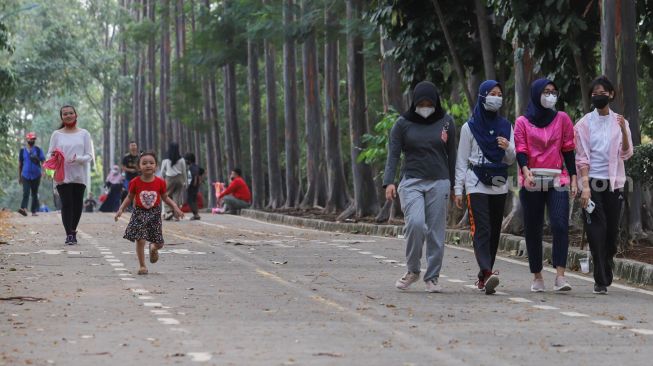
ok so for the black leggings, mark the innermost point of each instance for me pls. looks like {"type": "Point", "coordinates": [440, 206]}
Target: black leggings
{"type": "Point", "coordinates": [72, 203]}
{"type": "Point", "coordinates": [485, 217]}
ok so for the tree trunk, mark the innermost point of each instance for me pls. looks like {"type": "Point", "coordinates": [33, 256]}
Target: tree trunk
{"type": "Point", "coordinates": [486, 40]}
{"type": "Point", "coordinates": [630, 99]}
{"type": "Point", "coordinates": [164, 102]}
{"type": "Point", "coordinates": [458, 66]}
{"type": "Point", "coordinates": [609, 33]}
{"type": "Point", "coordinates": [337, 196]}
{"type": "Point", "coordinates": [258, 185]}
{"type": "Point", "coordinates": [522, 78]}
{"type": "Point", "coordinates": [107, 161]}
{"type": "Point", "coordinates": [151, 104]}
{"type": "Point", "coordinates": [582, 79]}
{"type": "Point", "coordinates": [312, 116]}
{"type": "Point", "coordinates": [391, 79]}
{"type": "Point", "coordinates": [365, 201]}
{"type": "Point", "coordinates": [290, 108]}
{"type": "Point", "coordinates": [215, 130]}
{"type": "Point", "coordinates": [274, 169]}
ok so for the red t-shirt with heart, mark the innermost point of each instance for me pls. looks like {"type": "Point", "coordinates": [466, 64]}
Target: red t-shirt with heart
{"type": "Point", "coordinates": [147, 194]}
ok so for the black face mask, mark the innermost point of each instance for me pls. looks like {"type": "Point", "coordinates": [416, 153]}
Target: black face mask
{"type": "Point", "coordinates": [600, 101]}
{"type": "Point", "coordinates": [31, 143]}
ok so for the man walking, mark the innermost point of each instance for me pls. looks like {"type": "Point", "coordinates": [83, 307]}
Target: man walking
{"type": "Point", "coordinates": [29, 173]}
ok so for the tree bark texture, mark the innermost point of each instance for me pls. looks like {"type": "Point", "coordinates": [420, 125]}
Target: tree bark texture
{"type": "Point", "coordinates": [486, 41]}
{"type": "Point", "coordinates": [365, 200]}
{"type": "Point", "coordinates": [274, 168]}
{"type": "Point", "coordinates": [258, 184]}
{"type": "Point", "coordinates": [290, 107]}
{"type": "Point", "coordinates": [391, 79]}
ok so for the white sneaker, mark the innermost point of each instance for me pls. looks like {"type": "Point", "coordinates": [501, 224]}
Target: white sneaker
{"type": "Point", "coordinates": [408, 279]}
{"type": "Point", "coordinates": [561, 284]}
{"type": "Point", "coordinates": [537, 285]}
{"type": "Point", "coordinates": [433, 286]}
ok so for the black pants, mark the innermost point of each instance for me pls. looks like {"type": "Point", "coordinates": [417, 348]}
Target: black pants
{"type": "Point", "coordinates": [72, 203]}
{"type": "Point", "coordinates": [33, 186]}
{"type": "Point", "coordinates": [192, 199]}
{"type": "Point", "coordinates": [602, 228]}
{"type": "Point", "coordinates": [533, 204]}
{"type": "Point", "coordinates": [485, 218]}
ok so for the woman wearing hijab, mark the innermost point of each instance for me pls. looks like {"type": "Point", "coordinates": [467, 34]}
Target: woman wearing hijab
{"type": "Point", "coordinates": [173, 170]}
{"type": "Point", "coordinates": [485, 151]}
{"type": "Point", "coordinates": [114, 185]}
{"type": "Point", "coordinates": [544, 140]}
{"type": "Point", "coordinates": [75, 145]}
{"type": "Point", "coordinates": [603, 143]}
{"type": "Point", "coordinates": [426, 136]}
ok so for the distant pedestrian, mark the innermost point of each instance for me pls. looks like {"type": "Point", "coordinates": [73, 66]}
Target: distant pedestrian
{"type": "Point", "coordinates": [174, 171]}
{"type": "Point", "coordinates": [485, 152]}
{"type": "Point", "coordinates": [129, 168]}
{"type": "Point", "coordinates": [603, 143]}
{"type": "Point", "coordinates": [196, 175]}
{"type": "Point", "coordinates": [114, 186]}
{"type": "Point", "coordinates": [544, 141]}
{"type": "Point", "coordinates": [75, 146]}
{"type": "Point", "coordinates": [146, 191]}
{"type": "Point", "coordinates": [237, 195]}
{"type": "Point", "coordinates": [30, 158]}
{"type": "Point", "coordinates": [426, 135]}
{"type": "Point", "coordinates": [90, 203]}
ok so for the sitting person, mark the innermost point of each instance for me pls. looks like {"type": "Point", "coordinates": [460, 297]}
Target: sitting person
{"type": "Point", "coordinates": [237, 195]}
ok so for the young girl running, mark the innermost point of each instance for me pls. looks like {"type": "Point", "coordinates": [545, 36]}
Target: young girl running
{"type": "Point", "coordinates": [148, 191]}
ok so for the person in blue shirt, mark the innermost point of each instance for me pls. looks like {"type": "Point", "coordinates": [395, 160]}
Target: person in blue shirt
{"type": "Point", "coordinates": [29, 170]}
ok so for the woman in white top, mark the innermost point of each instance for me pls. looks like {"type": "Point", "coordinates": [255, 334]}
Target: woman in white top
{"type": "Point", "coordinates": [76, 146]}
{"type": "Point", "coordinates": [174, 171]}
{"type": "Point", "coordinates": [485, 152]}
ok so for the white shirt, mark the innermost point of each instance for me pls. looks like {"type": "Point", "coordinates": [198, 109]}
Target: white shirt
{"type": "Point", "coordinates": [470, 153]}
{"type": "Point", "coordinates": [79, 145]}
{"type": "Point", "coordinates": [171, 170]}
{"type": "Point", "coordinates": [600, 130]}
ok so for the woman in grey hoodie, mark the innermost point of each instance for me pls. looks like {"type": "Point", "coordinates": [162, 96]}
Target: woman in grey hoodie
{"type": "Point", "coordinates": [426, 135]}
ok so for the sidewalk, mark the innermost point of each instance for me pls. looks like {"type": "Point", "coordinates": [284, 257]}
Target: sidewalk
{"type": "Point", "coordinates": [633, 272]}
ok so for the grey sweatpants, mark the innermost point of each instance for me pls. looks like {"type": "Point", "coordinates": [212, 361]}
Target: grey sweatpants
{"type": "Point", "coordinates": [424, 203]}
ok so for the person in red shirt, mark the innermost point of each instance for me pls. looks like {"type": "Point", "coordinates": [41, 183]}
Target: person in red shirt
{"type": "Point", "coordinates": [237, 196]}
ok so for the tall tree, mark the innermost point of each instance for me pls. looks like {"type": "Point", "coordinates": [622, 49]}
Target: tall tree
{"type": "Point", "coordinates": [486, 39]}
{"type": "Point", "coordinates": [312, 115]}
{"type": "Point", "coordinates": [274, 168]}
{"type": "Point", "coordinates": [152, 118]}
{"type": "Point", "coordinates": [165, 128]}
{"type": "Point", "coordinates": [337, 196]}
{"type": "Point", "coordinates": [258, 184]}
{"type": "Point", "coordinates": [290, 107]}
{"type": "Point", "coordinates": [365, 200]}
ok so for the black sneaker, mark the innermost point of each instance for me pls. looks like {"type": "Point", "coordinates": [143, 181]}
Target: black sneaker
{"type": "Point", "coordinates": [22, 211]}
{"type": "Point", "coordinates": [74, 235]}
{"type": "Point", "coordinates": [69, 239]}
{"type": "Point", "coordinates": [601, 290]}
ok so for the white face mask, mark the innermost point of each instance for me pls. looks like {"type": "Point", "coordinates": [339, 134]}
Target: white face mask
{"type": "Point", "coordinates": [425, 112]}
{"type": "Point", "coordinates": [548, 102]}
{"type": "Point", "coordinates": [493, 103]}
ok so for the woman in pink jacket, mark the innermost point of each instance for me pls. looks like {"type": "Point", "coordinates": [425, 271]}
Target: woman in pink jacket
{"type": "Point", "coordinates": [544, 142]}
{"type": "Point", "coordinates": [603, 143]}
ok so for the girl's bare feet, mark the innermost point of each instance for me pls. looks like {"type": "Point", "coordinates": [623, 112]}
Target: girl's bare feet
{"type": "Point", "coordinates": [154, 253]}
{"type": "Point", "coordinates": [142, 271]}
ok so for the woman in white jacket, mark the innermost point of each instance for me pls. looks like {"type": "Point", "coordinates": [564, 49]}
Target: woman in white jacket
{"type": "Point", "coordinates": [76, 146]}
{"type": "Point", "coordinates": [485, 152]}
{"type": "Point", "coordinates": [174, 171]}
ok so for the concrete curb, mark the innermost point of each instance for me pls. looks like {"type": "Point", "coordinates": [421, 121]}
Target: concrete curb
{"type": "Point", "coordinates": [634, 272]}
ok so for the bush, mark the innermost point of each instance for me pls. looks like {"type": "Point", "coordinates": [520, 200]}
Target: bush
{"type": "Point", "coordinates": [640, 166]}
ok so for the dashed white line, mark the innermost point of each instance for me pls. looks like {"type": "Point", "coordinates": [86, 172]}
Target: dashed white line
{"type": "Point", "coordinates": [379, 257]}
{"type": "Point", "coordinates": [139, 291]}
{"type": "Point", "coordinates": [200, 356]}
{"type": "Point", "coordinates": [127, 279]}
{"type": "Point", "coordinates": [642, 331]}
{"type": "Point", "coordinates": [112, 260]}
{"type": "Point", "coordinates": [160, 312]}
{"type": "Point", "coordinates": [545, 307]}
{"type": "Point", "coordinates": [168, 321]}
{"type": "Point", "coordinates": [365, 253]}
{"type": "Point", "coordinates": [145, 298]}
{"type": "Point", "coordinates": [519, 300]}
{"type": "Point", "coordinates": [607, 323]}
{"type": "Point", "coordinates": [153, 304]}
{"type": "Point", "coordinates": [456, 280]}
{"type": "Point", "coordinates": [117, 264]}
{"type": "Point", "coordinates": [574, 314]}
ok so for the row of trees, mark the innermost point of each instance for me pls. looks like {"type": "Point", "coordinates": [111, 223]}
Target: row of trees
{"type": "Point", "coordinates": [289, 90]}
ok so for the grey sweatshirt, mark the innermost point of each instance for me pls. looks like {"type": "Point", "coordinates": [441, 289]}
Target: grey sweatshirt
{"type": "Point", "coordinates": [427, 155]}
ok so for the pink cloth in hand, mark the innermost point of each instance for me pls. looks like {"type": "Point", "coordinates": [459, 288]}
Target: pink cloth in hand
{"type": "Point", "coordinates": [56, 163]}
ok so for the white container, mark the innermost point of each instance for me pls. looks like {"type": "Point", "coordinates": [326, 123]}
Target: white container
{"type": "Point", "coordinates": [585, 265]}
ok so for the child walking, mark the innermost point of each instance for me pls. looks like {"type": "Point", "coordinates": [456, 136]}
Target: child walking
{"type": "Point", "coordinates": [147, 191]}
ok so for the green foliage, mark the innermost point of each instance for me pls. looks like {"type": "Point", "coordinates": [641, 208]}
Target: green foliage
{"type": "Point", "coordinates": [376, 144]}
{"type": "Point", "coordinates": [640, 166]}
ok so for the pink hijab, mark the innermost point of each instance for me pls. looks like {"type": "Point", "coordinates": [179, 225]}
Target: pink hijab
{"type": "Point", "coordinates": [115, 177]}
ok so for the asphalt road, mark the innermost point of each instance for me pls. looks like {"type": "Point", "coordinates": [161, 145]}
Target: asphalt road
{"type": "Point", "coordinates": [229, 290]}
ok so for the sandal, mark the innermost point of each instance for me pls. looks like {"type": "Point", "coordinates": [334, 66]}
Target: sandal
{"type": "Point", "coordinates": [142, 271]}
{"type": "Point", "coordinates": [154, 253]}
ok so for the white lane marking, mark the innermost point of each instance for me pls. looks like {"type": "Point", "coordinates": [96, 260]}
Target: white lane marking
{"type": "Point", "coordinates": [117, 264]}
{"type": "Point", "coordinates": [180, 330]}
{"type": "Point", "coordinates": [168, 321]}
{"type": "Point", "coordinates": [127, 279]}
{"type": "Point", "coordinates": [145, 298]}
{"type": "Point", "coordinates": [106, 253]}
{"type": "Point", "coordinates": [343, 246]}
{"type": "Point", "coordinates": [574, 314]}
{"type": "Point", "coordinates": [545, 307]}
{"type": "Point", "coordinates": [501, 293]}
{"type": "Point", "coordinates": [109, 256]}
{"type": "Point", "coordinates": [160, 312]}
{"type": "Point", "coordinates": [120, 269]}
{"type": "Point", "coordinates": [86, 336]}
{"type": "Point", "coordinates": [124, 274]}
{"type": "Point", "coordinates": [152, 304]}
{"type": "Point", "coordinates": [50, 251]}
{"type": "Point", "coordinates": [379, 257]}
{"type": "Point", "coordinates": [519, 299]}
{"type": "Point", "coordinates": [112, 260]}
{"type": "Point", "coordinates": [456, 280]}
{"type": "Point", "coordinates": [607, 323]}
{"type": "Point", "coordinates": [73, 252]}
{"type": "Point", "coordinates": [200, 356]}
{"type": "Point", "coordinates": [443, 276]}
{"type": "Point", "coordinates": [567, 274]}
{"type": "Point", "coordinates": [389, 261]}
{"type": "Point", "coordinates": [365, 253]}
{"type": "Point", "coordinates": [402, 264]}
{"type": "Point", "coordinates": [641, 331]}
{"type": "Point", "coordinates": [355, 249]}
{"type": "Point", "coordinates": [139, 291]}
{"type": "Point", "coordinates": [472, 286]}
